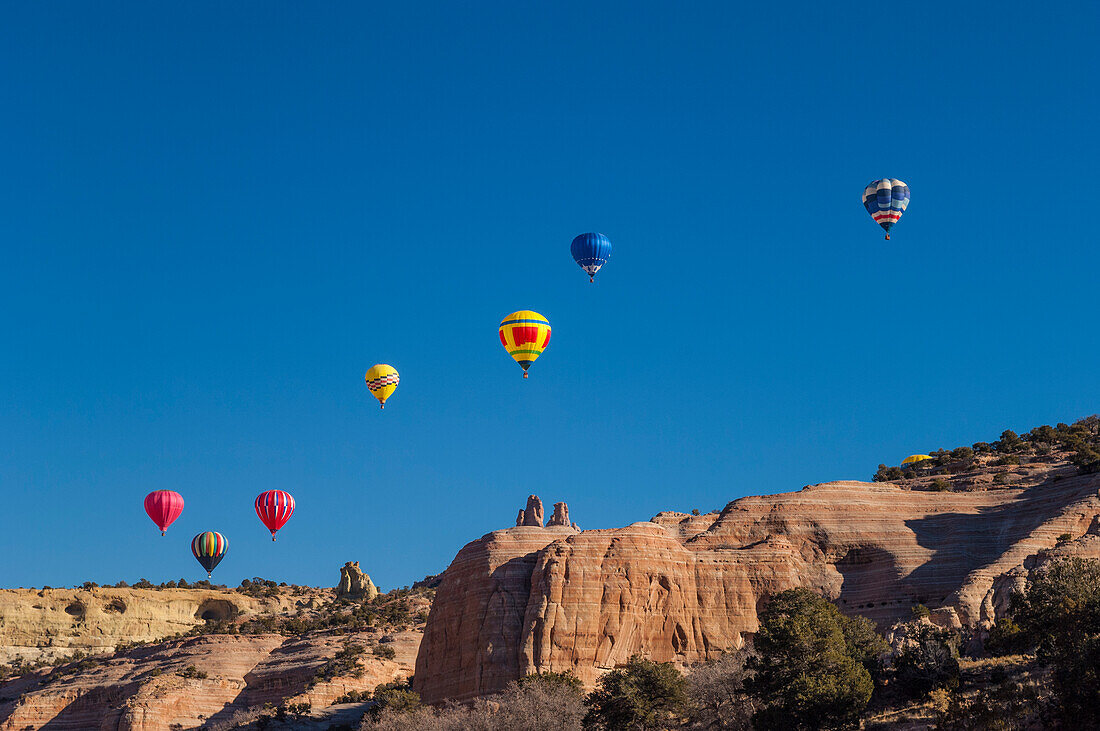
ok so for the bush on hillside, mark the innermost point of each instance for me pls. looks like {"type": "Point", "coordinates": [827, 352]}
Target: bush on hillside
{"type": "Point", "coordinates": [931, 662]}
{"type": "Point", "coordinates": [717, 694]}
{"type": "Point", "coordinates": [1060, 615]}
{"type": "Point", "coordinates": [641, 694]}
{"type": "Point", "coordinates": [813, 664]}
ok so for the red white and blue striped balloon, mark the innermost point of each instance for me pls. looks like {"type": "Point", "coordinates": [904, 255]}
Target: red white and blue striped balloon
{"type": "Point", "coordinates": [274, 508]}
{"type": "Point", "coordinates": [886, 200]}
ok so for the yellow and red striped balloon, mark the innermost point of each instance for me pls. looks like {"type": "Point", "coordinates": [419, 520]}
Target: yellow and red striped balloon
{"type": "Point", "coordinates": [382, 381]}
{"type": "Point", "coordinates": [525, 334]}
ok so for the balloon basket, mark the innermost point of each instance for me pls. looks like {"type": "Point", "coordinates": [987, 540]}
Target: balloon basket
{"type": "Point", "coordinates": [887, 237]}
{"type": "Point", "coordinates": [163, 532]}
{"type": "Point", "coordinates": [381, 406]}
{"type": "Point", "coordinates": [525, 374]}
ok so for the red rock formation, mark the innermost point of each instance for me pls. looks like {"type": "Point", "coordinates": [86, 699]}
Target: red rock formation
{"type": "Point", "coordinates": [532, 516]}
{"type": "Point", "coordinates": [684, 588]}
{"type": "Point", "coordinates": [560, 516]}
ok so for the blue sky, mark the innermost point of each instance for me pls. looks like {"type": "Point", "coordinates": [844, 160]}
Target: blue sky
{"type": "Point", "coordinates": [215, 217]}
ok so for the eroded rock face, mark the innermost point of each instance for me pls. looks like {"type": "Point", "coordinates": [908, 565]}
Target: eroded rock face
{"type": "Point", "coordinates": [151, 688]}
{"type": "Point", "coordinates": [354, 584]}
{"type": "Point", "coordinates": [684, 588]}
{"type": "Point", "coordinates": [54, 623]}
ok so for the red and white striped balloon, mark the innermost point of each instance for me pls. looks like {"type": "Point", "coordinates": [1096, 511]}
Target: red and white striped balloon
{"type": "Point", "coordinates": [274, 508]}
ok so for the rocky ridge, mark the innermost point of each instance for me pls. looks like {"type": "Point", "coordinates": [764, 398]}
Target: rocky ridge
{"type": "Point", "coordinates": [234, 654]}
{"type": "Point", "coordinates": [684, 588]}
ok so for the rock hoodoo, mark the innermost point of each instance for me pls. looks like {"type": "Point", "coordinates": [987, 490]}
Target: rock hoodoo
{"type": "Point", "coordinates": [354, 584]}
{"type": "Point", "coordinates": [560, 516]}
{"type": "Point", "coordinates": [532, 516]}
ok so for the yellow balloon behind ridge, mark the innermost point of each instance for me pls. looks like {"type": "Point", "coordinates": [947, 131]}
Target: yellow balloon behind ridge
{"type": "Point", "coordinates": [914, 458]}
{"type": "Point", "coordinates": [525, 334]}
{"type": "Point", "coordinates": [382, 381]}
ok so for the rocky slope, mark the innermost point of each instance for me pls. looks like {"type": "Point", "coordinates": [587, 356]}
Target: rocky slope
{"type": "Point", "coordinates": [684, 588]}
{"type": "Point", "coordinates": [292, 647]}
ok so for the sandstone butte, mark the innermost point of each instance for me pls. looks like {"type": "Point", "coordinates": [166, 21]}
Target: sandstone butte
{"type": "Point", "coordinates": [684, 588]}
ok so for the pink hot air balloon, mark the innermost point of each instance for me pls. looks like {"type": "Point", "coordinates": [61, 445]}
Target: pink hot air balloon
{"type": "Point", "coordinates": [163, 506]}
{"type": "Point", "coordinates": [274, 508]}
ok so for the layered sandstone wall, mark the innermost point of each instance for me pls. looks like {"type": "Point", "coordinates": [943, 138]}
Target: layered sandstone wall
{"type": "Point", "coordinates": [685, 588]}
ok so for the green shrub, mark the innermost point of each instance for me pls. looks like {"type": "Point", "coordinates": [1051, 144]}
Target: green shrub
{"type": "Point", "coordinates": [920, 611]}
{"type": "Point", "coordinates": [888, 474]}
{"type": "Point", "coordinates": [191, 672]}
{"type": "Point", "coordinates": [811, 670]}
{"type": "Point", "coordinates": [962, 453]}
{"type": "Point", "coordinates": [344, 662]}
{"type": "Point", "coordinates": [1060, 615]}
{"type": "Point", "coordinates": [641, 694]}
{"type": "Point", "coordinates": [1007, 638]}
{"type": "Point", "coordinates": [384, 651]}
{"type": "Point", "coordinates": [566, 679]}
{"type": "Point", "coordinates": [1010, 441]}
{"type": "Point", "coordinates": [932, 661]}
{"type": "Point", "coordinates": [941, 485]}
{"type": "Point", "coordinates": [395, 698]}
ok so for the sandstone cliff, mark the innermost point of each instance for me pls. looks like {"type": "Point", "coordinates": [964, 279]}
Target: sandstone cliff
{"type": "Point", "coordinates": [261, 646]}
{"type": "Point", "coordinates": [684, 588]}
{"type": "Point", "coordinates": [53, 623]}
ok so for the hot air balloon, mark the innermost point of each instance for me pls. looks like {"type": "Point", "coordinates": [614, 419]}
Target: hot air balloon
{"type": "Point", "coordinates": [274, 508]}
{"type": "Point", "coordinates": [525, 334]}
{"type": "Point", "coordinates": [163, 506]}
{"type": "Point", "coordinates": [209, 549]}
{"type": "Point", "coordinates": [914, 459]}
{"type": "Point", "coordinates": [886, 200]}
{"type": "Point", "coordinates": [591, 251]}
{"type": "Point", "coordinates": [382, 381]}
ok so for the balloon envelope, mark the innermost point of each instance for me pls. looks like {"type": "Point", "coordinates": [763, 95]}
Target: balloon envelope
{"type": "Point", "coordinates": [274, 508]}
{"type": "Point", "coordinates": [591, 251]}
{"type": "Point", "coordinates": [914, 458]}
{"type": "Point", "coordinates": [163, 507]}
{"type": "Point", "coordinates": [886, 200]}
{"type": "Point", "coordinates": [209, 549]}
{"type": "Point", "coordinates": [382, 381]}
{"type": "Point", "coordinates": [525, 334]}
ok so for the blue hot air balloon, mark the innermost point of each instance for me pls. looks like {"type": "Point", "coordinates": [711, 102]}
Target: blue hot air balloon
{"type": "Point", "coordinates": [591, 251]}
{"type": "Point", "coordinates": [886, 200]}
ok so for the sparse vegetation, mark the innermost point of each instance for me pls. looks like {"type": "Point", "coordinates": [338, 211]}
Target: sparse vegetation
{"type": "Point", "coordinates": [192, 672]}
{"type": "Point", "coordinates": [345, 662]}
{"type": "Point", "coordinates": [384, 651]}
{"type": "Point", "coordinates": [1079, 443]}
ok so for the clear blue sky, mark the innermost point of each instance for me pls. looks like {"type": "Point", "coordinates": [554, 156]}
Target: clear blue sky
{"type": "Point", "coordinates": [214, 217]}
